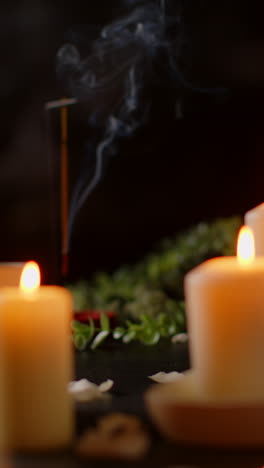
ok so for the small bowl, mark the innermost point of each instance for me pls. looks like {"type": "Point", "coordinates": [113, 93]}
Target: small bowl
{"type": "Point", "coordinates": [185, 417]}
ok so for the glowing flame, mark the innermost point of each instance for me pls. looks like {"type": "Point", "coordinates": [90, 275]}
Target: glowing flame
{"type": "Point", "coordinates": [245, 246]}
{"type": "Point", "coordinates": [30, 277]}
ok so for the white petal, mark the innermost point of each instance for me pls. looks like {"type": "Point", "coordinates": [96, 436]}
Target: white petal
{"type": "Point", "coordinates": [106, 386]}
{"type": "Point", "coordinates": [84, 390]}
{"type": "Point", "coordinates": [164, 377]}
{"type": "Point", "coordinates": [80, 386]}
{"type": "Point", "coordinates": [180, 338]}
{"type": "Point", "coordinates": [89, 395]}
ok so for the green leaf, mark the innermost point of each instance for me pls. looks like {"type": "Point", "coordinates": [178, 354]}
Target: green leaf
{"type": "Point", "coordinates": [152, 339]}
{"type": "Point", "coordinates": [82, 333]}
{"type": "Point", "coordinates": [80, 341]}
{"type": "Point", "coordinates": [99, 339]}
{"type": "Point", "coordinates": [118, 333]}
{"type": "Point", "coordinates": [76, 325]}
{"type": "Point", "coordinates": [104, 321]}
{"type": "Point", "coordinates": [129, 336]}
{"type": "Point", "coordinates": [92, 328]}
{"type": "Point", "coordinates": [148, 321]}
{"type": "Point", "coordinates": [89, 331]}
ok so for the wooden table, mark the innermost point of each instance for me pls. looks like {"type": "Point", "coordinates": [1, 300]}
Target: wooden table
{"type": "Point", "coordinates": [129, 366]}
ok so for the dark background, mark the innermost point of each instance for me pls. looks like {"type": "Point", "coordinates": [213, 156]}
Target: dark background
{"type": "Point", "coordinates": [170, 175]}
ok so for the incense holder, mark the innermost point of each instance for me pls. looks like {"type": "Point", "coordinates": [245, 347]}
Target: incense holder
{"type": "Point", "coordinates": [185, 417]}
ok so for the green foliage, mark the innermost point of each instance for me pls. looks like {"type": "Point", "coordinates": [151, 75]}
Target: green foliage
{"type": "Point", "coordinates": [82, 333]}
{"type": "Point", "coordinates": [146, 329]}
{"type": "Point", "coordinates": [148, 296]}
{"type": "Point", "coordinates": [104, 321]}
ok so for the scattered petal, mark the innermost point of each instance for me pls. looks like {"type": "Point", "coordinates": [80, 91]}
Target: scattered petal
{"type": "Point", "coordinates": [180, 338]}
{"type": "Point", "coordinates": [106, 386]}
{"type": "Point", "coordinates": [83, 390]}
{"type": "Point", "coordinates": [164, 377]}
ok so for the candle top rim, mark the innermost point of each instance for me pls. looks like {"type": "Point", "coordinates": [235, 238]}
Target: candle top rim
{"type": "Point", "coordinates": [229, 265]}
{"type": "Point", "coordinates": [259, 209]}
{"type": "Point", "coordinates": [43, 291]}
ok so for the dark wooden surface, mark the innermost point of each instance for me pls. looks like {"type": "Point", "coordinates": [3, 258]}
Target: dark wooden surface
{"type": "Point", "coordinates": [129, 367]}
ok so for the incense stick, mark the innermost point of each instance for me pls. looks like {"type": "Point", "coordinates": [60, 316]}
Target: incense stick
{"type": "Point", "coordinates": [62, 104]}
{"type": "Point", "coordinates": [64, 188]}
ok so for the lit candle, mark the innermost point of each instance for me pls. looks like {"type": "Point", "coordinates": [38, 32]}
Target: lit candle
{"type": "Point", "coordinates": [255, 220]}
{"type": "Point", "coordinates": [4, 420]}
{"type": "Point", "coordinates": [225, 312]}
{"type": "Point", "coordinates": [35, 331]}
{"type": "Point", "coordinates": [10, 273]}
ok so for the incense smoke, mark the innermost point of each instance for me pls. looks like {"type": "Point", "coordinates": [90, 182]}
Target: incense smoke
{"type": "Point", "coordinates": [142, 48]}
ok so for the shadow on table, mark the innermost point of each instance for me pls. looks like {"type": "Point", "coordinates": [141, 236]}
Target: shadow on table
{"type": "Point", "coordinates": [162, 455]}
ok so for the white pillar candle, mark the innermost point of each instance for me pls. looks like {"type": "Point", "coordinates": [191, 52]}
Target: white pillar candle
{"type": "Point", "coordinates": [10, 273]}
{"type": "Point", "coordinates": [225, 313]}
{"type": "Point", "coordinates": [255, 220]}
{"type": "Point", "coordinates": [35, 331]}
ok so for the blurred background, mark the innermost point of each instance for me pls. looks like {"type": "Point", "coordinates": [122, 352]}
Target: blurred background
{"type": "Point", "coordinates": [198, 155]}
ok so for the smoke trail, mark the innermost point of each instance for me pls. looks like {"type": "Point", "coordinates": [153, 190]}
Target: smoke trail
{"type": "Point", "coordinates": [113, 75]}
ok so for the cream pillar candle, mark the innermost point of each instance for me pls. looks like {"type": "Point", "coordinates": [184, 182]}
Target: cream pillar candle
{"type": "Point", "coordinates": [4, 419]}
{"type": "Point", "coordinates": [35, 330]}
{"type": "Point", "coordinates": [225, 313]}
{"type": "Point", "coordinates": [255, 220]}
{"type": "Point", "coordinates": [10, 273]}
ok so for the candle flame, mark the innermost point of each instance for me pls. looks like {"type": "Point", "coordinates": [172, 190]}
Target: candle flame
{"type": "Point", "coordinates": [30, 277]}
{"type": "Point", "coordinates": [245, 246]}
